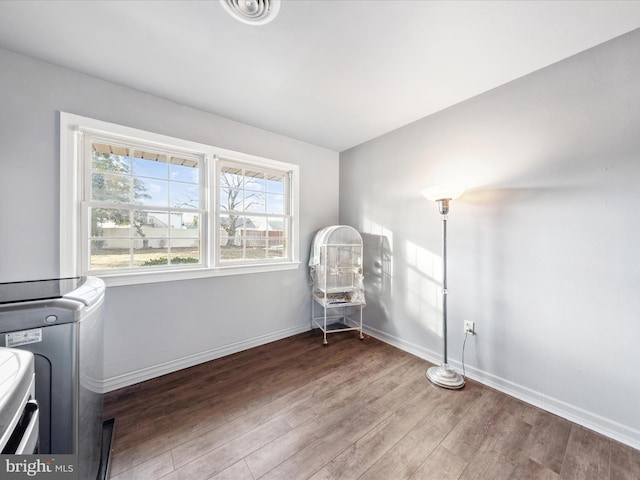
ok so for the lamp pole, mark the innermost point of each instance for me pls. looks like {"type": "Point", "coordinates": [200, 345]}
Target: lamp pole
{"type": "Point", "coordinates": [443, 376]}
{"type": "Point", "coordinates": [444, 210]}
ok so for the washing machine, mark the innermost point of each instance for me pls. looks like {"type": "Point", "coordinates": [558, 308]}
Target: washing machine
{"type": "Point", "coordinates": [60, 322]}
{"type": "Point", "coordinates": [19, 417]}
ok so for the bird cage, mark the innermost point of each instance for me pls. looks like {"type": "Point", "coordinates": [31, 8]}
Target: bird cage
{"type": "Point", "coordinates": [335, 265]}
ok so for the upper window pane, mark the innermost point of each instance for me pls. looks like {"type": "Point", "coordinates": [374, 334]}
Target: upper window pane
{"type": "Point", "coordinates": [255, 202]}
{"type": "Point", "coordinates": [151, 168]}
{"type": "Point", "coordinates": [185, 173]}
{"type": "Point", "coordinates": [275, 203]}
{"type": "Point", "coordinates": [184, 195]}
{"type": "Point", "coordinates": [275, 184]}
{"type": "Point", "coordinates": [254, 181]}
{"type": "Point", "coordinates": [104, 159]}
{"type": "Point", "coordinates": [231, 178]}
{"type": "Point", "coordinates": [151, 191]}
{"type": "Point", "coordinates": [107, 187]}
{"type": "Point", "coordinates": [231, 199]}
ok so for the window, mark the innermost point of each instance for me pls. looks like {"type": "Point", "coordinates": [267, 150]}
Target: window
{"type": "Point", "coordinates": [140, 207]}
{"type": "Point", "coordinates": [253, 213]}
{"type": "Point", "coordinates": [144, 206]}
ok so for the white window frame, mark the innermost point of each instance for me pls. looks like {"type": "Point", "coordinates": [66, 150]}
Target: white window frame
{"type": "Point", "coordinates": [73, 174]}
{"type": "Point", "coordinates": [88, 137]}
{"type": "Point", "coordinates": [286, 215]}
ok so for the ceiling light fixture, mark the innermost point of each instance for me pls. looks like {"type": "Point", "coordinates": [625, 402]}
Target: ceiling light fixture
{"type": "Point", "coordinates": [252, 12]}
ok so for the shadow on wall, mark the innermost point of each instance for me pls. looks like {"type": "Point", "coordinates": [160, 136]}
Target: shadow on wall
{"type": "Point", "coordinates": [378, 268]}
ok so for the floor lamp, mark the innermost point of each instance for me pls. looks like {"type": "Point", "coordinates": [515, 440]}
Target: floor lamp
{"type": "Point", "coordinates": [443, 376]}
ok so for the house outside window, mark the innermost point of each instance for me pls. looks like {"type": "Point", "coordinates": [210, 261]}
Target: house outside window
{"type": "Point", "coordinates": [139, 207]}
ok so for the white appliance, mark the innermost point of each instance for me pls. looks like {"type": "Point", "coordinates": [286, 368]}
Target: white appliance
{"type": "Point", "coordinates": [59, 321]}
{"type": "Point", "coordinates": [18, 407]}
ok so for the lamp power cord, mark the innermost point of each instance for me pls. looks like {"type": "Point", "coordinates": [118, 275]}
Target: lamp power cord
{"type": "Point", "coordinates": [466, 334]}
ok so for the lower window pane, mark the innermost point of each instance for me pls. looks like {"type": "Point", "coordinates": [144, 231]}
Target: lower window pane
{"type": "Point", "coordinates": [109, 222]}
{"type": "Point", "coordinates": [184, 254]}
{"type": "Point", "coordinates": [185, 225]}
{"type": "Point", "coordinates": [151, 228]}
{"type": "Point", "coordinates": [185, 238]}
{"type": "Point", "coordinates": [278, 238]}
{"type": "Point", "coordinates": [231, 249]}
{"type": "Point", "coordinates": [277, 247]}
{"type": "Point", "coordinates": [110, 253]}
{"type": "Point", "coordinates": [255, 248]}
{"type": "Point", "coordinates": [146, 256]}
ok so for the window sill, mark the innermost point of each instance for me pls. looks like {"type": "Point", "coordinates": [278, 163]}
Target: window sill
{"type": "Point", "coordinates": [121, 279]}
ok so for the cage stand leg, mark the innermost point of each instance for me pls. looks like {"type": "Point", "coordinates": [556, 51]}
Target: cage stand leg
{"type": "Point", "coordinates": [324, 330]}
{"type": "Point", "coordinates": [312, 312]}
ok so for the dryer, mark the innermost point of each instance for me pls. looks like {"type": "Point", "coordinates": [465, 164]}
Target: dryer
{"type": "Point", "coordinates": [60, 322]}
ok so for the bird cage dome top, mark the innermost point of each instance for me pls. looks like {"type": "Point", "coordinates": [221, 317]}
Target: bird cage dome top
{"type": "Point", "coordinates": [335, 235]}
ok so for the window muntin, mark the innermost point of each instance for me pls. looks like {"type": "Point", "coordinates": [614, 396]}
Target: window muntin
{"type": "Point", "coordinates": [254, 214]}
{"type": "Point", "coordinates": [77, 202]}
{"type": "Point", "coordinates": [145, 207]}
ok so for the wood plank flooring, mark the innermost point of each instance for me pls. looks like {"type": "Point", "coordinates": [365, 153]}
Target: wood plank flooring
{"type": "Point", "coordinates": [294, 409]}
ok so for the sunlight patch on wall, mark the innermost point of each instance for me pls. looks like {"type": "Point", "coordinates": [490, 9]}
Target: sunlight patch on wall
{"type": "Point", "coordinates": [424, 285]}
{"type": "Point", "coordinates": [369, 226]}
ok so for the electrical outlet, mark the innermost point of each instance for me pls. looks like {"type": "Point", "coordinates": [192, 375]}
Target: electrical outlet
{"type": "Point", "coordinates": [469, 327]}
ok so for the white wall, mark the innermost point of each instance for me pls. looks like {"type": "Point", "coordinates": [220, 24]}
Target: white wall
{"type": "Point", "coordinates": [155, 328]}
{"type": "Point", "coordinates": [544, 248]}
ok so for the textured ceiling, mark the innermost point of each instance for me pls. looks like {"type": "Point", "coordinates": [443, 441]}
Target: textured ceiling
{"type": "Point", "coordinates": [334, 73]}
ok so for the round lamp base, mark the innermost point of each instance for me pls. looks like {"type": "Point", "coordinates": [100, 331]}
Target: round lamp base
{"type": "Point", "coordinates": [445, 378]}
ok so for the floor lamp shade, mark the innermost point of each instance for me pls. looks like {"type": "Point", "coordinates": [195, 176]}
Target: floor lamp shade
{"type": "Point", "coordinates": [447, 191]}
{"type": "Point", "coordinates": [443, 376]}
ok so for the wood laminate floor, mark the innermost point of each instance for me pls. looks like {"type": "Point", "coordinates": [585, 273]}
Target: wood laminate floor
{"type": "Point", "coordinates": [293, 409]}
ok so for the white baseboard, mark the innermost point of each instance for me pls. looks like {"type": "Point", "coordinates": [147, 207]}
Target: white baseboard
{"type": "Point", "coordinates": [590, 420]}
{"type": "Point", "coordinates": [131, 378]}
